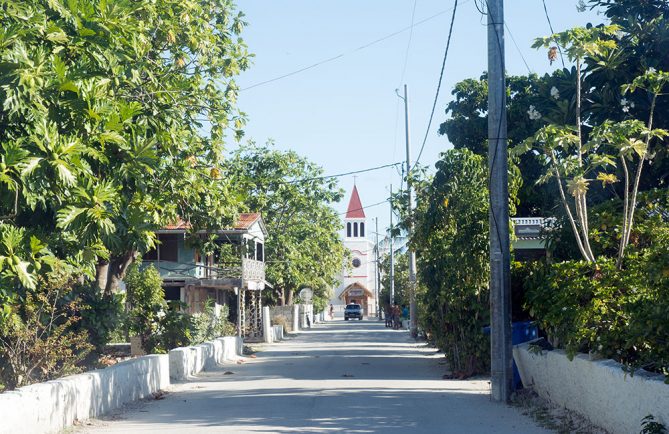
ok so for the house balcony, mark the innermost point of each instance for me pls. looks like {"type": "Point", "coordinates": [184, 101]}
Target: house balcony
{"type": "Point", "coordinates": [248, 273]}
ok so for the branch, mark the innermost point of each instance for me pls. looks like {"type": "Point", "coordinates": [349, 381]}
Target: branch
{"type": "Point", "coordinates": [568, 209]}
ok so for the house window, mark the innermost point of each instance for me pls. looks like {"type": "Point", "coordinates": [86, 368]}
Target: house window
{"type": "Point", "coordinates": [260, 253]}
{"type": "Point", "coordinates": [355, 229]}
{"type": "Point", "coordinates": [362, 229]}
{"type": "Point", "coordinates": [348, 229]}
{"type": "Point", "coordinates": [151, 255]}
{"type": "Point", "coordinates": [169, 247]}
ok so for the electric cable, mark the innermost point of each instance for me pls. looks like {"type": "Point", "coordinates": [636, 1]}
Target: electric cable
{"type": "Point", "coordinates": [441, 76]}
{"type": "Point", "coordinates": [339, 175]}
{"type": "Point", "coordinates": [364, 207]}
{"type": "Point", "coordinates": [550, 25]}
{"type": "Point", "coordinates": [360, 48]}
{"type": "Point", "coordinates": [529, 71]}
{"type": "Point", "coordinates": [406, 52]}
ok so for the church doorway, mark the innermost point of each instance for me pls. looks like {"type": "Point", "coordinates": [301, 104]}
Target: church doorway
{"type": "Point", "coordinates": [357, 293]}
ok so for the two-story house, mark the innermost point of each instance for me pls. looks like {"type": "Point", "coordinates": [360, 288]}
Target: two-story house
{"type": "Point", "coordinates": [233, 275]}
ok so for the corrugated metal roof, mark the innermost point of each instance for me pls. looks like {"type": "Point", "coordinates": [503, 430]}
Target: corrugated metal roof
{"type": "Point", "coordinates": [246, 220]}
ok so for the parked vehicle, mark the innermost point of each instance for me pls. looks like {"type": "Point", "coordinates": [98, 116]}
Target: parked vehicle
{"type": "Point", "coordinates": [353, 311]}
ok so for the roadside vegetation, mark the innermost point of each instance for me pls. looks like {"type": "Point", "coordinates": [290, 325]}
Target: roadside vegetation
{"type": "Point", "coordinates": [115, 119]}
{"type": "Point", "coordinates": [588, 148]}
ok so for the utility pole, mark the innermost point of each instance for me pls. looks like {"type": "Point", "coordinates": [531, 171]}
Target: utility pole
{"type": "Point", "coordinates": [413, 312]}
{"type": "Point", "coordinates": [378, 272]}
{"type": "Point", "coordinates": [500, 305]}
{"type": "Point", "coordinates": [392, 253]}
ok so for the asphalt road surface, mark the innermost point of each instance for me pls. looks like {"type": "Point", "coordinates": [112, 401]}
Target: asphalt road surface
{"type": "Point", "coordinates": [341, 376]}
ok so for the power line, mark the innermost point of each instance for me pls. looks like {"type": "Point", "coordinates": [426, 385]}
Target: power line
{"type": "Point", "coordinates": [441, 76]}
{"type": "Point", "coordinates": [364, 207]}
{"type": "Point", "coordinates": [517, 47]}
{"type": "Point", "coordinates": [338, 175]}
{"type": "Point", "coordinates": [406, 52]}
{"type": "Point", "coordinates": [550, 25]}
{"type": "Point", "coordinates": [362, 47]}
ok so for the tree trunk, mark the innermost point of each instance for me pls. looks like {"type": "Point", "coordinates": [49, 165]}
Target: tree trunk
{"type": "Point", "coordinates": [288, 295]}
{"type": "Point", "coordinates": [116, 271]}
{"type": "Point", "coordinates": [101, 270]}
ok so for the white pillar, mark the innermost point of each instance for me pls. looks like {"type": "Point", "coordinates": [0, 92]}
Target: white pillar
{"type": "Point", "coordinates": [296, 318]}
{"type": "Point", "coordinates": [266, 325]}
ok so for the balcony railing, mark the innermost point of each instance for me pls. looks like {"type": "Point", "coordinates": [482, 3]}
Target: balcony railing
{"type": "Point", "coordinates": [248, 269]}
{"type": "Point", "coordinates": [253, 270]}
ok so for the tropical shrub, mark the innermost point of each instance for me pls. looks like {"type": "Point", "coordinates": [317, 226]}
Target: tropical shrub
{"type": "Point", "coordinates": [102, 315]}
{"type": "Point", "coordinates": [209, 325]}
{"type": "Point", "coordinates": [146, 304]}
{"type": "Point", "coordinates": [39, 339]}
{"type": "Point", "coordinates": [619, 314]}
{"type": "Point", "coordinates": [176, 328]}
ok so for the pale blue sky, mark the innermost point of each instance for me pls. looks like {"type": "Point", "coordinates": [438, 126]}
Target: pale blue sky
{"type": "Point", "coordinates": [344, 115]}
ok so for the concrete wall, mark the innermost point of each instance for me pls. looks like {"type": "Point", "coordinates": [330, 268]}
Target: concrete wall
{"type": "Point", "coordinates": [277, 333]}
{"type": "Point", "coordinates": [599, 390]}
{"type": "Point", "coordinates": [186, 362]}
{"type": "Point", "coordinates": [49, 407]}
{"type": "Point", "coordinates": [282, 311]}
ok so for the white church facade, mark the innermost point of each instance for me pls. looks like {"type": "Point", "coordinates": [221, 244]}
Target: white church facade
{"type": "Point", "coordinates": [358, 278]}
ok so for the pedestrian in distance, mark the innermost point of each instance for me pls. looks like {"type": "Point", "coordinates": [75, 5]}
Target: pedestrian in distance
{"type": "Point", "coordinates": [397, 321]}
{"type": "Point", "coordinates": [388, 315]}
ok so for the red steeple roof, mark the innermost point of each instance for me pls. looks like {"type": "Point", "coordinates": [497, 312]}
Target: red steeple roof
{"type": "Point", "coordinates": [355, 210]}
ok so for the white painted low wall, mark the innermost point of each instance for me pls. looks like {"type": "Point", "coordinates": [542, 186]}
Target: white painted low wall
{"type": "Point", "coordinates": [186, 362]}
{"type": "Point", "coordinates": [49, 407]}
{"type": "Point", "coordinates": [277, 333]}
{"type": "Point", "coordinates": [599, 390]}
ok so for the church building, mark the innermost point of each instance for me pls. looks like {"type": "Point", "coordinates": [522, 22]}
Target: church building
{"type": "Point", "coordinates": [358, 276]}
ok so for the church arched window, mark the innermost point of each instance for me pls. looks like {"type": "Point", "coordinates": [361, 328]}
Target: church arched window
{"type": "Point", "coordinates": [348, 229]}
{"type": "Point", "coordinates": [355, 229]}
{"type": "Point", "coordinates": [362, 229]}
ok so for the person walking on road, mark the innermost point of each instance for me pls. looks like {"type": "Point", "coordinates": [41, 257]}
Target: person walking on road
{"type": "Point", "coordinates": [397, 322]}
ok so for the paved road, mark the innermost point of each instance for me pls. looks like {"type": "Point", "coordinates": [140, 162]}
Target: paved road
{"type": "Point", "coordinates": [337, 377]}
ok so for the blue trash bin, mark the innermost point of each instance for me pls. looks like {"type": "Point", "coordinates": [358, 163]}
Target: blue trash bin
{"type": "Point", "coordinates": [521, 331]}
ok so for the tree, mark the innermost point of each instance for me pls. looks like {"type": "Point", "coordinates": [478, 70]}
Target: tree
{"type": "Point", "coordinates": [566, 154]}
{"type": "Point", "coordinates": [304, 247]}
{"type": "Point", "coordinates": [103, 104]}
{"type": "Point", "coordinates": [401, 280]}
{"type": "Point", "coordinates": [466, 126]}
{"type": "Point", "coordinates": [451, 241]}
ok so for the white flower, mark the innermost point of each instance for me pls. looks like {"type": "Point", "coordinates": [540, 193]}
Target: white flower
{"type": "Point", "coordinates": [651, 70]}
{"type": "Point", "coordinates": [626, 109]}
{"type": "Point", "coordinates": [161, 314]}
{"type": "Point", "coordinates": [632, 104]}
{"type": "Point", "coordinates": [533, 113]}
{"type": "Point", "coordinates": [623, 102]}
{"type": "Point", "coordinates": [555, 93]}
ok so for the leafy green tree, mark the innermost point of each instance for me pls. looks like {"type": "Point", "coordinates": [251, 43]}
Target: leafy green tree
{"type": "Point", "coordinates": [452, 243]}
{"type": "Point", "coordinates": [304, 247]}
{"type": "Point", "coordinates": [401, 280]}
{"type": "Point", "coordinates": [466, 126]}
{"type": "Point", "coordinates": [101, 123]}
{"type": "Point", "coordinates": [573, 161]}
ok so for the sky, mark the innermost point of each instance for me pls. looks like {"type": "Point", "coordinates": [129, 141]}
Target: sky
{"type": "Point", "coordinates": [344, 114]}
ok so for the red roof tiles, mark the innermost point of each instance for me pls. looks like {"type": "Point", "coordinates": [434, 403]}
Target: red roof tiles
{"type": "Point", "coordinates": [245, 221]}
